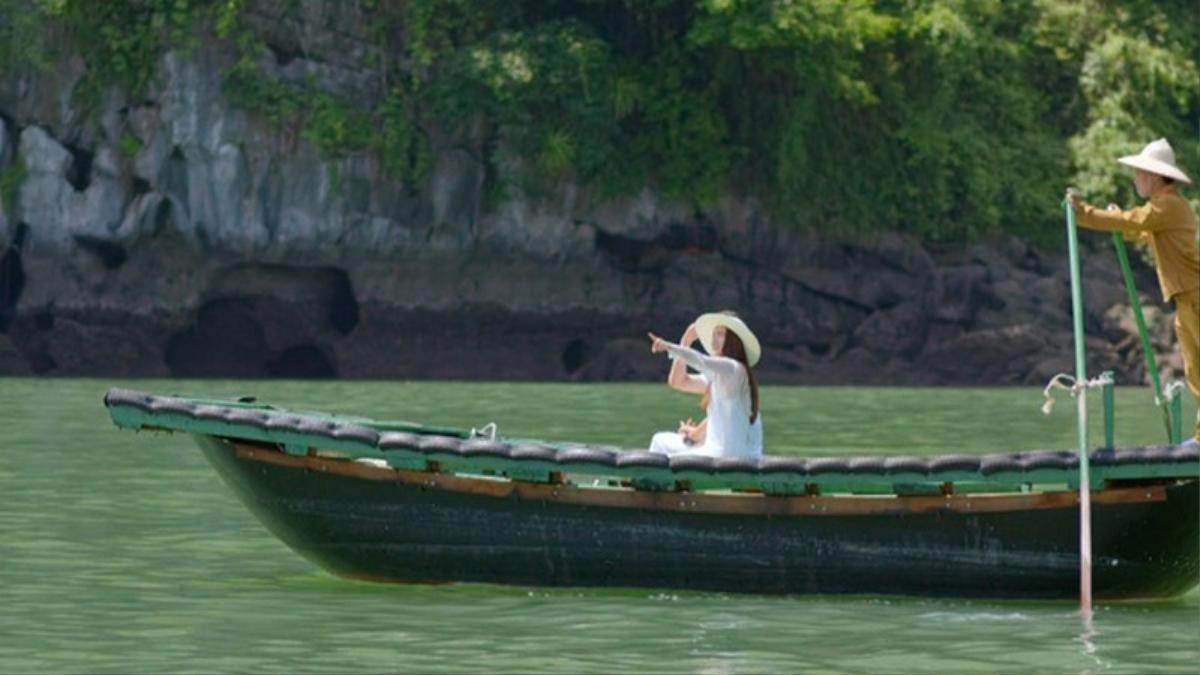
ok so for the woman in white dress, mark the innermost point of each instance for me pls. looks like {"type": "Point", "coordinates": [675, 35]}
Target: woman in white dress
{"type": "Point", "coordinates": [726, 378]}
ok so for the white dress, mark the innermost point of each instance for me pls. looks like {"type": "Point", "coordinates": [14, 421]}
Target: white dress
{"type": "Point", "coordinates": [730, 433]}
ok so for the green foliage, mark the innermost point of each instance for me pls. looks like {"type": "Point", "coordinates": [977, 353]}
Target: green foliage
{"type": "Point", "coordinates": [280, 103]}
{"type": "Point", "coordinates": [946, 119]}
{"type": "Point", "coordinates": [121, 40]}
{"type": "Point", "coordinates": [843, 116]}
{"type": "Point", "coordinates": [11, 178]}
{"type": "Point", "coordinates": [401, 145]}
{"type": "Point", "coordinates": [24, 36]}
{"type": "Point", "coordinates": [129, 145]}
{"type": "Point", "coordinates": [335, 127]}
{"type": "Point", "coordinates": [1140, 80]}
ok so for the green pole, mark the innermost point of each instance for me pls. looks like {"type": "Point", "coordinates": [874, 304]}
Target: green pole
{"type": "Point", "coordinates": [1151, 364]}
{"type": "Point", "coordinates": [1177, 419]}
{"type": "Point", "coordinates": [1109, 409]}
{"type": "Point", "coordinates": [1085, 487]}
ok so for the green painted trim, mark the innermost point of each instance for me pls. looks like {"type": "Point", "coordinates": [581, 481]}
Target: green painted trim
{"type": "Point", "coordinates": [1177, 420]}
{"type": "Point", "coordinates": [1109, 409]}
{"type": "Point", "coordinates": [405, 461]}
{"type": "Point", "coordinates": [984, 487]}
{"type": "Point", "coordinates": [1128, 471]}
{"type": "Point", "coordinates": [1038, 476]}
{"type": "Point", "coordinates": [528, 475]}
{"type": "Point", "coordinates": [135, 418]}
{"type": "Point", "coordinates": [650, 478]}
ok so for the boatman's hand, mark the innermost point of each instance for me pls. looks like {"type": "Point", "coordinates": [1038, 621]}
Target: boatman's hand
{"type": "Point", "coordinates": [657, 344]}
{"type": "Point", "coordinates": [1074, 198]}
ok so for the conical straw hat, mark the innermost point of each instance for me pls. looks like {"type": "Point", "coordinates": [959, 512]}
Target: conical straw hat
{"type": "Point", "coordinates": [1157, 157]}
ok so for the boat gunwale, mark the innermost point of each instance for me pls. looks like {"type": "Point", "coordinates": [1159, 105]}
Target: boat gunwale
{"type": "Point", "coordinates": [298, 434]}
{"type": "Point", "coordinates": [732, 503]}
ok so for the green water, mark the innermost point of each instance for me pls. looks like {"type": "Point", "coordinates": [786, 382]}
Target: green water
{"type": "Point", "coordinates": [123, 552]}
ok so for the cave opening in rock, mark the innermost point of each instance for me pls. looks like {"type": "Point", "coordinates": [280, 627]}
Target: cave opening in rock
{"type": "Point", "coordinates": [111, 255]}
{"type": "Point", "coordinates": [80, 173]}
{"type": "Point", "coordinates": [325, 292]}
{"type": "Point", "coordinates": [173, 182]}
{"type": "Point", "coordinates": [225, 341]}
{"type": "Point", "coordinates": [283, 54]}
{"type": "Point", "coordinates": [12, 277]}
{"type": "Point", "coordinates": [7, 136]}
{"type": "Point", "coordinates": [302, 362]}
{"type": "Point", "coordinates": [343, 307]}
{"type": "Point", "coordinates": [162, 217]}
{"type": "Point", "coordinates": [576, 354]}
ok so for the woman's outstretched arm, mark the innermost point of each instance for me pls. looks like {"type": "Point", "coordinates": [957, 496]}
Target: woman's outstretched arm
{"type": "Point", "coordinates": [679, 378]}
{"type": "Point", "coordinates": [712, 366]}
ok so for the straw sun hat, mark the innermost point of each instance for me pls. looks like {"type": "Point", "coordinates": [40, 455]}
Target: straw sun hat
{"type": "Point", "coordinates": [1157, 157]}
{"type": "Point", "coordinates": [707, 322]}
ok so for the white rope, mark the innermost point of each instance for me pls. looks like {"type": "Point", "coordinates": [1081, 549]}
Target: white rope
{"type": "Point", "coordinates": [1075, 387]}
{"type": "Point", "coordinates": [1170, 391]}
{"type": "Point", "coordinates": [488, 430]}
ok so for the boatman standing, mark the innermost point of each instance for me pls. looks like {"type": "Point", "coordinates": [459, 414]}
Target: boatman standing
{"type": "Point", "coordinates": [1169, 225]}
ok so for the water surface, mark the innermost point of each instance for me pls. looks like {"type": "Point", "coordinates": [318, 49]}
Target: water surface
{"type": "Point", "coordinates": [124, 552]}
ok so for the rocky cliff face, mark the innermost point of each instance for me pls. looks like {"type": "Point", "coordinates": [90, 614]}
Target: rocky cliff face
{"type": "Point", "coordinates": [175, 234]}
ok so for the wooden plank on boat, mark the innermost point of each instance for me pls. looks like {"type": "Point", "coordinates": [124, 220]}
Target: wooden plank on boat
{"type": "Point", "coordinates": [730, 503]}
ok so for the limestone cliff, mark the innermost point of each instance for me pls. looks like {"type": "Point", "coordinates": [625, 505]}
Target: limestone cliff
{"type": "Point", "coordinates": [177, 234]}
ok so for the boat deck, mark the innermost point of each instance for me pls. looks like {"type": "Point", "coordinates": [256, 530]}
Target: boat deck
{"type": "Point", "coordinates": [414, 447]}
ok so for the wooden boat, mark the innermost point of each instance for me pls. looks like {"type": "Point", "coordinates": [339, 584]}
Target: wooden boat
{"type": "Point", "coordinates": [409, 503]}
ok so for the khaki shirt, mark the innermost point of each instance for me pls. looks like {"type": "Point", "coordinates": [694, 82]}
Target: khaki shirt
{"type": "Point", "coordinates": [1168, 222]}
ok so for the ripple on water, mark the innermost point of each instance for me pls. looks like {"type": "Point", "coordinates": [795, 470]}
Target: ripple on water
{"type": "Point", "coordinates": [963, 617]}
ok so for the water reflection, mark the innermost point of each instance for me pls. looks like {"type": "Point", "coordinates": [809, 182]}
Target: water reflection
{"type": "Point", "coordinates": [1088, 639]}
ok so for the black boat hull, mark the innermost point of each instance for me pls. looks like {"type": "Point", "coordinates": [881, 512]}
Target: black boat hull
{"type": "Point", "coordinates": [408, 531]}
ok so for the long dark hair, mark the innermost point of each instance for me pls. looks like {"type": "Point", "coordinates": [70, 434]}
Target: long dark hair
{"type": "Point", "coordinates": [734, 349]}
